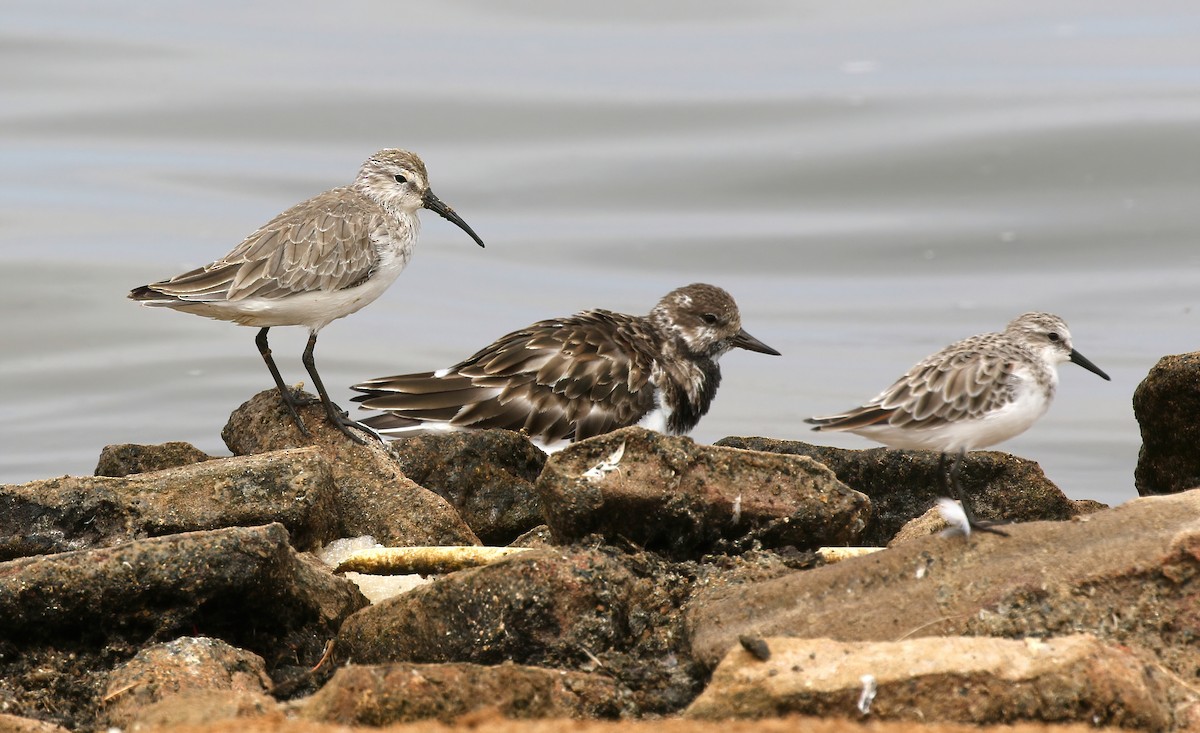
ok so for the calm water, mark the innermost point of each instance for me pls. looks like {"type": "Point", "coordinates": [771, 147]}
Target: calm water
{"type": "Point", "coordinates": [870, 182]}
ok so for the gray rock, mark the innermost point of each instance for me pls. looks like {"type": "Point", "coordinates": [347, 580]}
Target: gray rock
{"type": "Point", "coordinates": [945, 679]}
{"type": "Point", "coordinates": [905, 484]}
{"type": "Point", "coordinates": [126, 458]}
{"type": "Point", "coordinates": [487, 475]}
{"type": "Point", "coordinates": [379, 695]}
{"type": "Point", "coordinates": [374, 496]}
{"type": "Point", "coordinates": [76, 512]}
{"type": "Point", "coordinates": [1167, 407]}
{"type": "Point", "coordinates": [673, 496]}
{"type": "Point", "coordinates": [182, 674]}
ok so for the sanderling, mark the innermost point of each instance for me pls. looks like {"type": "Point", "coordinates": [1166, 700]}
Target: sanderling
{"type": "Point", "coordinates": [970, 395]}
{"type": "Point", "coordinates": [567, 379]}
{"type": "Point", "coordinates": [322, 259]}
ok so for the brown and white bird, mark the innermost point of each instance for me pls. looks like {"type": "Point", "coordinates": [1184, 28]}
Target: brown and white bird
{"type": "Point", "coordinates": [320, 260]}
{"type": "Point", "coordinates": [971, 395]}
{"type": "Point", "coordinates": [567, 379]}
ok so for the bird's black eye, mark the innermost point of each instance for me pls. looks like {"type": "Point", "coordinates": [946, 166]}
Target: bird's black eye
{"type": "Point", "coordinates": [709, 318]}
{"type": "Point", "coordinates": [400, 178]}
{"type": "Point", "coordinates": [1053, 336]}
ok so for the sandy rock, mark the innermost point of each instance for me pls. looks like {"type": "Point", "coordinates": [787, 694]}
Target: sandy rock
{"type": "Point", "coordinates": [76, 512]}
{"type": "Point", "coordinates": [904, 484]}
{"type": "Point", "coordinates": [539, 537]}
{"type": "Point", "coordinates": [1167, 405]}
{"type": "Point", "coordinates": [126, 458]}
{"type": "Point", "coordinates": [374, 496]}
{"type": "Point", "coordinates": [1128, 575]}
{"type": "Point", "coordinates": [487, 475]}
{"type": "Point", "coordinates": [944, 679]}
{"type": "Point", "coordinates": [674, 496]}
{"type": "Point", "coordinates": [16, 724]}
{"type": "Point", "coordinates": [378, 695]}
{"type": "Point", "coordinates": [587, 610]}
{"type": "Point", "coordinates": [187, 672]}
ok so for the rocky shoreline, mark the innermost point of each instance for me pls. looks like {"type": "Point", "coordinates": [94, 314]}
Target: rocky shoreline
{"type": "Point", "coordinates": [669, 581]}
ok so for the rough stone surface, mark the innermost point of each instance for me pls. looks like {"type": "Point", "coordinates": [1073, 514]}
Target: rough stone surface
{"type": "Point", "coordinates": [379, 695]}
{"type": "Point", "coordinates": [674, 496]}
{"type": "Point", "coordinates": [963, 679]}
{"type": "Point", "coordinates": [126, 458]}
{"type": "Point", "coordinates": [904, 484]}
{"type": "Point", "coordinates": [15, 724]}
{"type": "Point", "coordinates": [1167, 407]}
{"type": "Point", "coordinates": [587, 610]}
{"type": "Point", "coordinates": [487, 475]}
{"type": "Point", "coordinates": [70, 618]}
{"type": "Point", "coordinates": [177, 671]}
{"type": "Point", "coordinates": [374, 496]}
{"type": "Point", "coordinates": [1129, 575]}
{"type": "Point", "coordinates": [72, 513]}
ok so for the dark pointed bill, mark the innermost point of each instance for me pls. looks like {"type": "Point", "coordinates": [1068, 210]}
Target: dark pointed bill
{"type": "Point", "coordinates": [434, 204]}
{"type": "Point", "coordinates": [1083, 361]}
{"type": "Point", "coordinates": [745, 341]}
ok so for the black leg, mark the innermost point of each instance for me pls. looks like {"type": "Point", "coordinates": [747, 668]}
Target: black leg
{"type": "Point", "coordinates": [284, 392]}
{"type": "Point", "coordinates": [339, 419]}
{"type": "Point", "coordinates": [955, 468]}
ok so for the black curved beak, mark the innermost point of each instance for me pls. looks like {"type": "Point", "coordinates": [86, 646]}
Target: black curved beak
{"type": "Point", "coordinates": [1083, 361]}
{"type": "Point", "coordinates": [744, 340]}
{"type": "Point", "coordinates": [434, 204]}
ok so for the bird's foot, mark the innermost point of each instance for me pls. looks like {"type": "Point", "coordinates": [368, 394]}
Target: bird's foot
{"type": "Point", "coordinates": [342, 421]}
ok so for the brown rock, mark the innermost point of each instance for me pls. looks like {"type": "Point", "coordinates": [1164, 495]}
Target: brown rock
{"type": "Point", "coordinates": [943, 679]}
{"type": "Point", "coordinates": [487, 475]}
{"type": "Point", "coordinates": [904, 484]}
{"type": "Point", "coordinates": [584, 609]}
{"type": "Point", "coordinates": [71, 513]}
{"type": "Point", "coordinates": [379, 695]}
{"type": "Point", "coordinates": [126, 458]}
{"type": "Point", "coordinates": [1127, 575]}
{"type": "Point", "coordinates": [15, 724]}
{"type": "Point", "coordinates": [1167, 405]}
{"type": "Point", "coordinates": [69, 618]}
{"type": "Point", "coordinates": [230, 680]}
{"type": "Point", "coordinates": [374, 496]}
{"type": "Point", "coordinates": [674, 496]}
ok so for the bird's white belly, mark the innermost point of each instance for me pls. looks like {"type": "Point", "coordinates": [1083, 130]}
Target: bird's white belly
{"type": "Point", "coordinates": [314, 309]}
{"type": "Point", "coordinates": [973, 433]}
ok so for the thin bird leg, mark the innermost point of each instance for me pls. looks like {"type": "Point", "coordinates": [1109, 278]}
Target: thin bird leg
{"type": "Point", "coordinates": [955, 468]}
{"type": "Point", "coordinates": [284, 391]}
{"type": "Point", "coordinates": [340, 419]}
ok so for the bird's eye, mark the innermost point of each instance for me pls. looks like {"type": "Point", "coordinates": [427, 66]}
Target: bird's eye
{"type": "Point", "coordinates": [400, 178]}
{"type": "Point", "coordinates": [1053, 336]}
{"type": "Point", "coordinates": [709, 318]}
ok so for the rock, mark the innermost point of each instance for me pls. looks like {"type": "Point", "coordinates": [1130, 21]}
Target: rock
{"type": "Point", "coordinates": [539, 538]}
{"type": "Point", "coordinates": [71, 617]}
{"type": "Point", "coordinates": [945, 679]}
{"type": "Point", "coordinates": [1128, 575]}
{"type": "Point", "coordinates": [587, 610]}
{"type": "Point", "coordinates": [71, 513]}
{"type": "Point", "coordinates": [487, 475]}
{"type": "Point", "coordinates": [374, 496]}
{"type": "Point", "coordinates": [126, 458]}
{"type": "Point", "coordinates": [671, 495]}
{"type": "Point", "coordinates": [209, 708]}
{"type": "Point", "coordinates": [379, 695]}
{"type": "Point", "coordinates": [186, 672]}
{"type": "Point", "coordinates": [904, 484]}
{"type": "Point", "coordinates": [15, 724]}
{"type": "Point", "coordinates": [1166, 405]}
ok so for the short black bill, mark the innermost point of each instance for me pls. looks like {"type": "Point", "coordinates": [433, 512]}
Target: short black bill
{"type": "Point", "coordinates": [1083, 361]}
{"type": "Point", "coordinates": [434, 204]}
{"type": "Point", "coordinates": [744, 340]}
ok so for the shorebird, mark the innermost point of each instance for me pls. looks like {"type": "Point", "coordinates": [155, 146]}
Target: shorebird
{"type": "Point", "coordinates": [566, 379]}
{"type": "Point", "coordinates": [971, 395]}
{"type": "Point", "coordinates": [320, 260]}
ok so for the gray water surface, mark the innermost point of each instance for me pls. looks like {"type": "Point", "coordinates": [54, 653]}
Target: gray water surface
{"type": "Point", "coordinates": [870, 181]}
